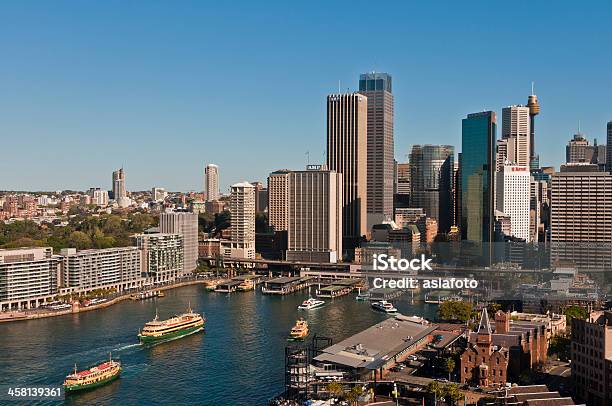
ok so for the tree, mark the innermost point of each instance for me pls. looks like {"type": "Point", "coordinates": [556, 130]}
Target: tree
{"type": "Point", "coordinates": [335, 389]}
{"type": "Point", "coordinates": [452, 394]}
{"type": "Point", "coordinates": [222, 220]}
{"type": "Point", "coordinates": [560, 345]}
{"type": "Point", "coordinates": [455, 310]}
{"type": "Point", "coordinates": [433, 388]}
{"type": "Point", "coordinates": [449, 366]}
{"type": "Point", "coordinates": [79, 240]}
{"type": "Point", "coordinates": [353, 395]}
{"type": "Point", "coordinates": [575, 312]}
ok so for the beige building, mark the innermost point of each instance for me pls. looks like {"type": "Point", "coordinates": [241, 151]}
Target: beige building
{"type": "Point", "coordinates": [377, 87]}
{"type": "Point", "coordinates": [516, 129]}
{"type": "Point", "coordinates": [278, 205]}
{"type": "Point", "coordinates": [347, 124]}
{"type": "Point", "coordinates": [211, 182]}
{"type": "Point", "coordinates": [315, 215]}
{"type": "Point", "coordinates": [242, 207]}
{"type": "Point", "coordinates": [161, 255]}
{"type": "Point", "coordinates": [581, 219]}
{"type": "Point", "coordinates": [185, 224]}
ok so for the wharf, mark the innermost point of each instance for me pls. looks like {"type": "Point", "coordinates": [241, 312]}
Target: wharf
{"type": "Point", "coordinates": [285, 285]}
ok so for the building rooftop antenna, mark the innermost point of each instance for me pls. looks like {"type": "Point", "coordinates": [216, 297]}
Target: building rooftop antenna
{"type": "Point", "coordinates": [532, 87]}
{"type": "Point", "coordinates": [338, 86]}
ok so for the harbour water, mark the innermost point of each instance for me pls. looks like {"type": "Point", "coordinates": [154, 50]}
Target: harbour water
{"type": "Point", "coordinates": [238, 360]}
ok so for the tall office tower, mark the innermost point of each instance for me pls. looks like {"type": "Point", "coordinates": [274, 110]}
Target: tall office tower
{"type": "Point", "coordinates": [261, 197]}
{"type": "Point", "coordinates": [315, 216]}
{"type": "Point", "coordinates": [185, 224]}
{"type": "Point", "coordinates": [578, 150]}
{"type": "Point", "coordinates": [535, 209]}
{"type": "Point", "coordinates": [377, 88]}
{"type": "Point", "coordinates": [402, 193]}
{"type": "Point", "coordinates": [478, 176]}
{"type": "Point", "coordinates": [515, 128]}
{"type": "Point", "coordinates": [591, 354]}
{"type": "Point", "coordinates": [211, 183]}
{"type": "Point", "coordinates": [278, 204]}
{"type": "Point", "coordinates": [609, 147]}
{"type": "Point", "coordinates": [457, 194]}
{"type": "Point", "coordinates": [119, 192]}
{"type": "Point", "coordinates": [534, 110]}
{"type": "Point", "coordinates": [347, 123]}
{"type": "Point", "coordinates": [431, 174]}
{"type": "Point", "coordinates": [581, 218]}
{"type": "Point", "coordinates": [242, 206]}
{"type": "Point", "coordinates": [512, 187]}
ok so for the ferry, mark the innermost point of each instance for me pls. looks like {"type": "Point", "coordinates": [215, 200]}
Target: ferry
{"type": "Point", "coordinates": [93, 377]}
{"type": "Point", "coordinates": [384, 306]}
{"type": "Point", "coordinates": [175, 327]}
{"type": "Point", "coordinates": [311, 303]}
{"type": "Point", "coordinates": [299, 331]}
{"type": "Point", "coordinates": [246, 285]}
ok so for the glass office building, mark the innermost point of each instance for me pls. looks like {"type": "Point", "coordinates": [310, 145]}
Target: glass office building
{"type": "Point", "coordinates": [477, 176]}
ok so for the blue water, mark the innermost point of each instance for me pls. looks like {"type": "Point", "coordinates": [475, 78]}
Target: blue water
{"type": "Point", "coordinates": [237, 360]}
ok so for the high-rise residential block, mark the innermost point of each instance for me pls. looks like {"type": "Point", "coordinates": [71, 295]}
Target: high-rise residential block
{"type": "Point", "coordinates": [347, 146]}
{"type": "Point", "coordinates": [581, 219]}
{"type": "Point", "coordinates": [278, 205]}
{"type": "Point", "coordinates": [98, 196]}
{"type": "Point", "coordinates": [211, 182]}
{"type": "Point", "coordinates": [512, 187]}
{"type": "Point", "coordinates": [516, 129]}
{"type": "Point", "coordinates": [28, 277]}
{"type": "Point", "coordinates": [242, 207]}
{"type": "Point", "coordinates": [88, 270]}
{"type": "Point", "coordinates": [377, 87]}
{"type": "Point", "coordinates": [162, 255]}
{"type": "Point", "coordinates": [477, 169]}
{"type": "Point", "coordinates": [119, 190]}
{"type": "Point", "coordinates": [431, 182]}
{"type": "Point", "coordinates": [315, 215]}
{"type": "Point", "coordinates": [185, 224]}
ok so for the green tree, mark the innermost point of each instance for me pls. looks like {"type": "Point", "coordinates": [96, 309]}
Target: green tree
{"type": "Point", "coordinates": [449, 366]}
{"type": "Point", "coordinates": [434, 389]}
{"type": "Point", "coordinates": [222, 220]}
{"type": "Point", "coordinates": [451, 394]}
{"type": "Point", "coordinates": [455, 310]}
{"type": "Point", "coordinates": [575, 312]}
{"type": "Point", "coordinates": [79, 240]}
{"type": "Point", "coordinates": [560, 345]}
{"type": "Point", "coordinates": [335, 389]}
{"type": "Point", "coordinates": [353, 395]}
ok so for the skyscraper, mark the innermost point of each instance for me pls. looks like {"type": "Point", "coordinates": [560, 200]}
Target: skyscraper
{"type": "Point", "coordinates": [347, 123]}
{"type": "Point", "coordinates": [377, 88]}
{"type": "Point", "coordinates": [242, 206]}
{"type": "Point", "coordinates": [513, 192]}
{"type": "Point", "coordinates": [431, 174]}
{"type": "Point", "coordinates": [185, 224]}
{"type": "Point", "coordinates": [477, 176]}
{"type": "Point", "coordinates": [315, 215]}
{"type": "Point", "coordinates": [119, 192]}
{"type": "Point", "coordinates": [211, 182]}
{"type": "Point", "coordinates": [609, 147]}
{"type": "Point", "coordinates": [278, 195]}
{"type": "Point", "coordinates": [516, 129]}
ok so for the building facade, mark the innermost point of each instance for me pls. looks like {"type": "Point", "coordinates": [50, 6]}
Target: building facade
{"type": "Point", "coordinates": [476, 165]}
{"type": "Point", "coordinates": [185, 224]}
{"type": "Point", "coordinates": [87, 270]}
{"type": "Point", "coordinates": [347, 125]}
{"type": "Point", "coordinates": [28, 277]}
{"type": "Point", "coordinates": [119, 190]}
{"type": "Point", "coordinates": [513, 188]}
{"type": "Point", "coordinates": [278, 204]}
{"type": "Point", "coordinates": [609, 147]}
{"type": "Point", "coordinates": [431, 175]}
{"type": "Point", "coordinates": [242, 207]}
{"type": "Point", "coordinates": [162, 255]}
{"type": "Point", "coordinates": [315, 216]}
{"type": "Point", "coordinates": [377, 87]}
{"type": "Point", "coordinates": [516, 129]}
{"type": "Point", "coordinates": [211, 182]}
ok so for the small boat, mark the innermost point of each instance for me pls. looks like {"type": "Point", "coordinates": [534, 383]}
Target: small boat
{"type": "Point", "coordinates": [93, 377]}
{"type": "Point", "coordinates": [362, 297]}
{"type": "Point", "coordinates": [161, 294]}
{"type": "Point", "coordinates": [147, 295]}
{"type": "Point", "coordinates": [175, 327]}
{"type": "Point", "coordinates": [299, 331]}
{"type": "Point", "coordinates": [384, 306]}
{"type": "Point", "coordinates": [311, 303]}
{"type": "Point", "coordinates": [246, 285]}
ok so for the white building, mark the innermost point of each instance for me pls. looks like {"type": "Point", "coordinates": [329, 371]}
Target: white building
{"type": "Point", "coordinates": [162, 255]}
{"type": "Point", "coordinates": [185, 224]}
{"type": "Point", "coordinates": [28, 277]}
{"type": "Point", "coordinates": [516, 129]}
{"type": "Point", "coordinates": [87, 270]}
{"type": "Point", "coordinates": [242, 207]}
{"type": "Point", "coordinates": [98, 196]}
{"type": "Point", "coordinates": [159, 194]}
{"type": "Point", "coordinates": [513, 185]}
{"type": "Point", "coordinates": [211, 182]}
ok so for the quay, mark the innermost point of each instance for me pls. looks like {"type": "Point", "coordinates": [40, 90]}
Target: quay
{"type": "Point", "coordinates": [227, 286]}
{"type": "Point", "coordinates": [285, 285]}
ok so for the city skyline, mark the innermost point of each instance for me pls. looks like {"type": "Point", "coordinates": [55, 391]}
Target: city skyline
{"type": "Point", "coordinates": [144, 96]}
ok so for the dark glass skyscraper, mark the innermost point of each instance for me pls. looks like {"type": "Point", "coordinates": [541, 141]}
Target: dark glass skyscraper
{"type": "Point", "coordinates": [478, 133]}
{"type": "Point", "coordinates": [431, 172]}
{"type": "Point", "coordinates": [377, 87]}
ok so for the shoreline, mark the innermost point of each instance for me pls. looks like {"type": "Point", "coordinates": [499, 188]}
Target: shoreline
{"type": "Point", "coordinates": [24, 316]}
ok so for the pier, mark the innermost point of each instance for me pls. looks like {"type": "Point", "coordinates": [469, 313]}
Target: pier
{"type": "Point", "coordinates": [285, 285]}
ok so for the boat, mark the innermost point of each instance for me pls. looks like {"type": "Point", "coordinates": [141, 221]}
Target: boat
{"type": "Point", "coordinates": [93, 377]}
{"type": "Point", "coordinates": [175, 327]}
{"type": "Point", "coordinates": [362, 297]}
{"type": "Point", "coordinates": [299, 331]}
{"type": "Point", "coordinates": [384, 306]}
{"type": "Point", "coordinates": [147, 295]}
{"type": "Point", "coordinates": [161, 294]}
{"type": "Point", "coordinates": [311, 303]}
{"type": "Point", "coordinates": [246, 285]}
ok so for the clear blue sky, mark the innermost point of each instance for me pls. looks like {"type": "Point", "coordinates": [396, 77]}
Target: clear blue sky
{"type": "Point", "coordinates": [161, 88]}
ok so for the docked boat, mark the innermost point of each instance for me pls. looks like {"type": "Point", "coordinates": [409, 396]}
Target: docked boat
{"type": "Point", "coordinates": [93, 377]}
{"type": "Point", "coordinates": [175, 327]}
{"type": "Point", "coordinates": [362, 297]}
{"type": "Point", "coordinates": [384, 306]}
{"type": "Point", "coordinates": [147, 295]}
{"type": "Point", "coordinates": [246, 285]}
{"type": "Point", "coordinates": [299, 331]}
{"type": "Point", "coordinates": [311, 303]}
